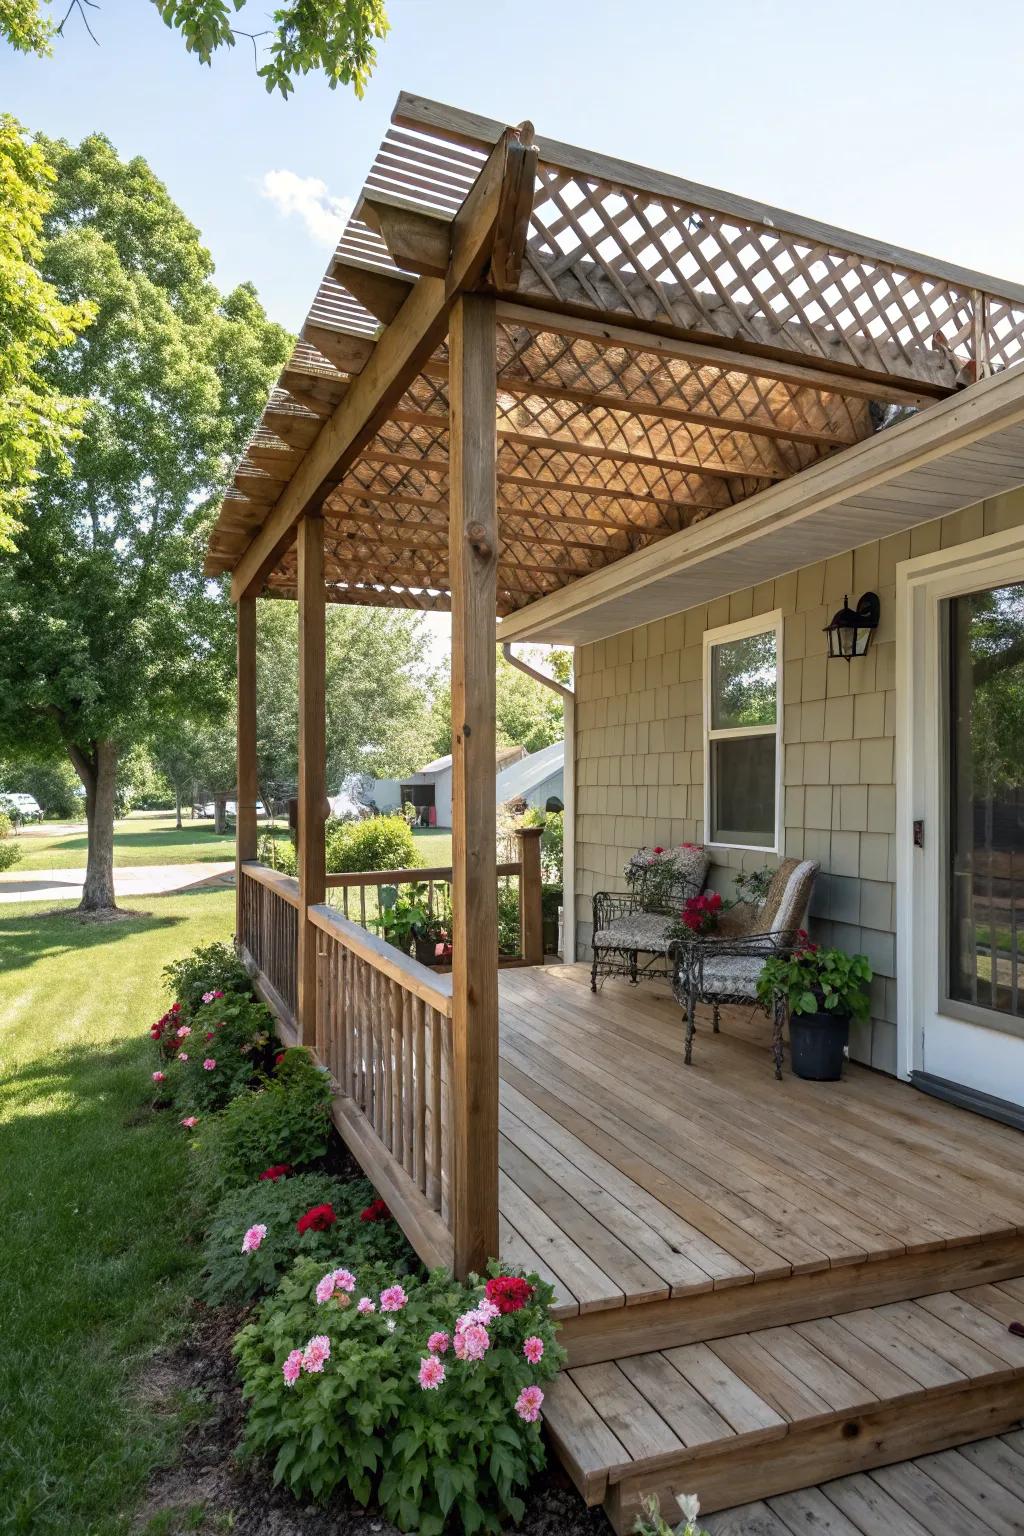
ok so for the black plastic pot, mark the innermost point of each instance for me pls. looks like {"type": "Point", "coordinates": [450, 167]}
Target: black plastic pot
{"type": "Point", "coordinates": [817, 1042]}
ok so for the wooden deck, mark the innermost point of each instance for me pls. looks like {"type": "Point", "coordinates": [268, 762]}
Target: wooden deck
{"type": "Point", "coordinates": [761, 1285]}
{"type": "Point", "coordinates": [713, 1192]}
{"type": "Point", "coordinates": [977, 1490]}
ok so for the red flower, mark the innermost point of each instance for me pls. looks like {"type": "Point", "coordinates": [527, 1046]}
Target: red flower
{"type": "Point", "coordinates": [376, 1211]}
{"type": "Point", "coordinates": [700, 913]}
{"type": "Point", "coordinates": [279, 1058]}
{"type": "Point", "coordinates": [276, 1171]}
{"type": "Point", "coordinates": [657, 850]}
{"type": "Point", "coordinates": [317, 1219]}
{"type": "Point", "coordinates": [508, 1293]}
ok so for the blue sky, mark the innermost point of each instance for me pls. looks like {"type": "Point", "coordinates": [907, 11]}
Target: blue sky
{"type": "Point", "coordinates": [900, 121]}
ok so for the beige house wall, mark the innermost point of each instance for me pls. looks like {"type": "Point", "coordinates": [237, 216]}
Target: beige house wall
{"type": "Point", "coordinates": [640, 748]}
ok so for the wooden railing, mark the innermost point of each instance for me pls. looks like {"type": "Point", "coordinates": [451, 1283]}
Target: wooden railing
{"type": "Point", "coordinates": [354, 888]}
{"type": "Point", "coordinates": [268, 931]}
{"type": "Point", "coordinates": [383, 1027]}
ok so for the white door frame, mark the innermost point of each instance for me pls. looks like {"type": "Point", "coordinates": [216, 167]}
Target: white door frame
{"type": "Point", "coordinates": [922, 585]}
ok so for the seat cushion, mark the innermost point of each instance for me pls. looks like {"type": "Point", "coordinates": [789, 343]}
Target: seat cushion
{"type": "Point", "coordinates": [637, 930]}
{"type": "Point", "coordinates": [732, 975]}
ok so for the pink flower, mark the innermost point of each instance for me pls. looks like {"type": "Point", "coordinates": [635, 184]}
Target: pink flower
{"type": "Point", "coordinates": [316, 1353]}
{"type": "Point", "coordinates": [344, 1280]}
{"type": "Point", "coordinates": [291, 1368]}
{"type": "Point", "coordinates": [533, 1349]}
{"type": "Point", "coordinates": [528, 1404]}
{"type": "Point", "coordinates": [253, 1238]}
{"type": "Point", "coordinates": [182, 1056]}
{"type": "Point", "coordinates": [184, 1032]}
{"type": "Point", "coordinates": [210, 997]}
{"type": "Point", "coordinates": [209, 1064]}
{"type": "Point", "coordinates": [324, 1289]}
{"type": "Point", "coordinates": [393, 1299]}
{"type": "Point", "coordinates": [366, 1305]}
{"type": "Point", "coordinates": [189, 1121]}
{"type": "Point", "coordinates": [158, 1077]}
{"type": "Point", "coordinates": [472, 1342]}
{"type": "Point", "coordinates": [431, 1373]}
{"type": "Point", "coordinates": [438, 1343]}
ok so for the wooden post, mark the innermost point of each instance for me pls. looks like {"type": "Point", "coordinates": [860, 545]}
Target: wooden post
{"type": "Point", "coordinates": [312, 760]}
{"type": "Point", "coordinates": [473, 547]}
{"type": "Point", "coordinates": [531, 914]}
{"type": "Point", "coordinates": [245, 747]}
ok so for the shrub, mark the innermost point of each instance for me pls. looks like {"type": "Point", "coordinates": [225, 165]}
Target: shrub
{"type": "Point", "coordinates": [286, 1121]}
{"type": "Point", "coordinates": [10, 851]}
{"type": "Point", "coordinates": [210, 968]}
{"type": "Point", "coordinates": [508, 918]}
{"type": "Point", "coordinates": [438, 1421]}
{"type": "Point", "coordinates": [552, 842]}
{"type": "Point", "coordinates": [234, 1273]}
{"type": "Point", "coordinates": [222, 1052]}
{"type": "Point", "coordinates": [382, 842]}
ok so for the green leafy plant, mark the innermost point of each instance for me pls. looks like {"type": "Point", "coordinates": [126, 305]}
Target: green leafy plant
{"type": "Point", "coordinates": [425, 1395]}
{"type": "Point", "coordinates": [651, 1522]}
{"type": "Point", "coordinates": [508, 918]}
{"type": "Point", "coordinates": [816, 980]}
{"type": "Point", "coordinates": [404, 912]}
{"type": "Point", "coordinates": [285, 1121]}
{"type": "Point", "coordinates": [362, 1232]}
{"type": "Point", "coordinates": [222, 1052]}
{"type": "Point", "coordinates": [381, 842]}
{"type": "Point", "coordinates": [10, 851]}
{"type": "Point", "coordinates": [752, 884]}
{"type": "Point", "coordinates": [210, 968]}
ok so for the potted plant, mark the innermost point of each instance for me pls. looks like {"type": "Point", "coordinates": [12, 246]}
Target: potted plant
{"type": "Point", "coordinates": [432, 941]}
{"type": "Point", "coordinates": [401, 915]}
{"type": "Point", "coordinates": [823, 990]}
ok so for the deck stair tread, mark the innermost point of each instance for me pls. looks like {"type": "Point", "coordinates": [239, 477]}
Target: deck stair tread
{"type": "Point", "coordinates": [688, 1418]}
{"type": "Point", "coordinates": [973, 1490]}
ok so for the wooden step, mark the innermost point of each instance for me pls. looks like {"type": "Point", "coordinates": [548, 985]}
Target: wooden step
{"type": "Point", "coordinates": [757, 1414]}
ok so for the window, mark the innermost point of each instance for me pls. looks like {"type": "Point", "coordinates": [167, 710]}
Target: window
{"type": "Point", "coordinates": [742, 718]}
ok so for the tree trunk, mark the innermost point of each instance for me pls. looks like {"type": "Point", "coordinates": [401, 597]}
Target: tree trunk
{"type": "Point", "coordinates": [220, 814]}
{"type": "Point", "coordinates": [96, 766]}
{"type": "Point", "coordinates": [177, 806]}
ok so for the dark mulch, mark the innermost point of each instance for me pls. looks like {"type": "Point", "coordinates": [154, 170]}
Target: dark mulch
{"type": "Point", "coordinates": [209, 1492]}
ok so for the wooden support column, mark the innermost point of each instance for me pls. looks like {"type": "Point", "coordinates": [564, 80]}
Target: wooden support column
{"type": "Point", "coordinates": [245, 746]}
{"type": "Point", "coordinates": [473, 542]}
{"type": "Point", "coordinates": [531, 914]}
{"type": "Point", "coordinates": [312, 797]}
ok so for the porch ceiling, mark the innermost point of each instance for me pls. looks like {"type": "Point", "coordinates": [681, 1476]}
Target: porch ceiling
{"type": "Point", "coordinates": [665, 352]}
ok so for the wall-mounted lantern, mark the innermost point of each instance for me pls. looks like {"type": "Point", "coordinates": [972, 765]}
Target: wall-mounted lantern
{"type": "Point", "coordinates": [850, 630]}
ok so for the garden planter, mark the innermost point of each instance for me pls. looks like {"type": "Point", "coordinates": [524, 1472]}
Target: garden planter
{"type": "Point", "coordinates": [426, 951]}
{"type": "Point", "coordinates": [817, 1042]}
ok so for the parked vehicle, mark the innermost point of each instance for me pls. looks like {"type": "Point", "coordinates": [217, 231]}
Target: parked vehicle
{"type": "Point", "coordinates": [230, 808]}
{"type": "Point", "coordinates": [21, 807]}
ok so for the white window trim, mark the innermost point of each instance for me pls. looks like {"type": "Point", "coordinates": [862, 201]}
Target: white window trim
{"type": "Point", "coordinates": [739, 631]}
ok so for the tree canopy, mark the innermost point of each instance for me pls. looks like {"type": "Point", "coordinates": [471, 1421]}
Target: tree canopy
{"type": "Point", "coordinates": [35, 417]}
{"type": "Point", "coordinates": [526, 713]}
{"type": "Point", "coordinates": [107, 621]}
{"type": "Point", "coordinates": [333, 37]}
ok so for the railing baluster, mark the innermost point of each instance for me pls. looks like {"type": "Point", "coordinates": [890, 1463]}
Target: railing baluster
{"type": "Point", "coordinates": [419, 1155]}
{"type": "Point", "coordinates": [397, 1068]}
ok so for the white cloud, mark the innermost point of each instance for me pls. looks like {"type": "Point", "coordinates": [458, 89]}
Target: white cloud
{"type": "Point", "coordinates": [307, 198]}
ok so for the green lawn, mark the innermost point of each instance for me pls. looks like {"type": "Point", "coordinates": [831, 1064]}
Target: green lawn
{"type": "Point", "coordinates": [145, 839]}
{"type": "Point", "coordinates": [434, 847]}
{"type": "Point", "coordinates": [94, 1258]}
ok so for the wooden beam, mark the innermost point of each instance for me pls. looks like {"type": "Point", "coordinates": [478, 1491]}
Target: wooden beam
{"type": "Point", "coordinates": [417, 239]}
{"type": "Point", "coordinates": [312, 809]}
{"type": "Point", "coordinates": [605, 333]}
{"type": "Point", "coordinates": [541, 535]}
{"type": "Point", "coordinates": [397, 357]}
{"type": "Point", "coordinates": [473, 540]}
{"type": "Point", "coordinates": [246, 792]}
{"type": "Point", "coordinates": [674, 465]}
{"type": "Point", "coordinates": [352, 491]}
{"type": "Point", "coordinates": [346, 351]}
{"type": "Point", "coordinates": [382, 293]}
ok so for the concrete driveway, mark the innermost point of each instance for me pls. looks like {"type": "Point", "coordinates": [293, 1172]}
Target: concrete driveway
{"type": "Point", "coordinates": [137, 880]}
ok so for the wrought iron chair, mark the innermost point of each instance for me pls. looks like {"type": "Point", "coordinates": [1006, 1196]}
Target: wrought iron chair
{"type": "Point", "coordinates": [723, 967]}
{"type": "Point", "coordinates": [640, 922]}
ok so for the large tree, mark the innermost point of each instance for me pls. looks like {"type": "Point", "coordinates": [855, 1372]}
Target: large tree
{"type": "Point", "coordinates": [333, 37]}
{"type": "Point", "coordinates": [105, 619]}
{"type": "Point", "coordinates": [35, 419]}
{"type": "Point", "coordinates": [527, 714]}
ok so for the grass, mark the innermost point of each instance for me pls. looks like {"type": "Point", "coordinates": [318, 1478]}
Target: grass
{"type": "Point", "coordinates": [94, 1254]}
{"type": "Point", "coordinates": [151, 838]}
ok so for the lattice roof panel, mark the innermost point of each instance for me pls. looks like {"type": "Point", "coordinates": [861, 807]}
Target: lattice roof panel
{"type": "Point", "coordinates": [666, 352]}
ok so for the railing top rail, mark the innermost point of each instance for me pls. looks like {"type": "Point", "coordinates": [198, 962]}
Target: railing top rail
{"type": "Point", "coordinates": [420, 980]}
{"type": "Point", "coordinates": [407, 876]}
{"type": "Point", "coordinates": [284, 886]}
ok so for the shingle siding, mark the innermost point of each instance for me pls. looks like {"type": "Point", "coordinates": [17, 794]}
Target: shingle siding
{"type": "Point", "coordinates": [640, 749]}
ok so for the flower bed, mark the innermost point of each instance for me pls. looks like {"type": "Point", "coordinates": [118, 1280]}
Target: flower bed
{"type": "Point", "coordinates": [358, 1369]}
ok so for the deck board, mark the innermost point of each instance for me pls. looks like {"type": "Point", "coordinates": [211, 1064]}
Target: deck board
{"type": "Point", "coordinates": [634, 1178]}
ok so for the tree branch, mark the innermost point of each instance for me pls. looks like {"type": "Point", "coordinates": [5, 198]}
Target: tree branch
{"type": "Point", "coordinates": [79, 5]}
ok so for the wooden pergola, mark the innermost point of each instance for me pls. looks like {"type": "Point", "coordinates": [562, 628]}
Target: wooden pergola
{"type": "Point", "coordinates": [527, 362]}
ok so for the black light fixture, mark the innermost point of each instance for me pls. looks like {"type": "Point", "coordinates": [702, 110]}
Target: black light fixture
{"type": "Point", "coordinates": [850, 630]}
